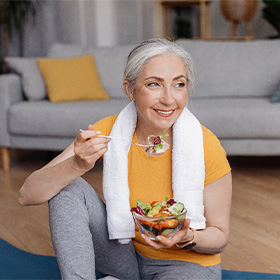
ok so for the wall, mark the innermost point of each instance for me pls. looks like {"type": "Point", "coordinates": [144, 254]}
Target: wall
{"type": "Point", "coordinates": [110, 22]}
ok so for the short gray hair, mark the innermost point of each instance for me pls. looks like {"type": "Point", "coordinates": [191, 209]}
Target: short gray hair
{"type": "Point", "coordinates": [151, 48]}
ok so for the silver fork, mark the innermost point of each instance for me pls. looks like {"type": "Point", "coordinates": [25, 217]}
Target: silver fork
{"type": "Point", "coordinates": [124, 139]}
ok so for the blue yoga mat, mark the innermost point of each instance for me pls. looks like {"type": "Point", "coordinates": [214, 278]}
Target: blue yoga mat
{"type": "Point", "coordinates": [18, 264]}
{"type": "Point", "coordinates": [244, 275]}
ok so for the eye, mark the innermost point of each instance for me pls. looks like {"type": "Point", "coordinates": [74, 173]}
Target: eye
{"type": "Point", "coordinates": [153, 84]}
{"type": "Point", "coordinates": [180, 85]}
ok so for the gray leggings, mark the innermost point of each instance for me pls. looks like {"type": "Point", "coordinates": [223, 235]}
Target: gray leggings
{"type": "Point", "coordinates": [81, 243]}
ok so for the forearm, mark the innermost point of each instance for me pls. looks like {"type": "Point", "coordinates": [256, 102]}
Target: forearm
{"type": "Point", "coordinates": [211, 240]}
{"type": "Point", "coordinates": [78, 158]}
{"type": "Point", "coordinates": [217, 204]}
{"type": "Point", "coordinates": [46, 182]}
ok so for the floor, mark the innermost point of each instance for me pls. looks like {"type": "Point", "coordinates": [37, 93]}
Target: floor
{"type": "Point", "coordinates": [254, 243]}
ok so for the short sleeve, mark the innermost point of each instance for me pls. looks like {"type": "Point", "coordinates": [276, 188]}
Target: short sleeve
{"type": "Point", "coordinates": [105, 125]}
{"type": "Point", "coordinates": [216, 163]}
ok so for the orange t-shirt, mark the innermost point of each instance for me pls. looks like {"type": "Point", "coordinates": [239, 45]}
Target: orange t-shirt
{"type": "Point", "coordinates": [150, 179]}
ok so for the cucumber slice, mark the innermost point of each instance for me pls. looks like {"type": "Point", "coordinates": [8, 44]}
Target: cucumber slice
{"type": "Point", "coordinates": [180, 206]}
{"type": "Point", "coordinates": [167, 231]}
{"type": "Point", "coordinates": [151, 229]}
{"type": "Point", "coordinates": [177, 208]}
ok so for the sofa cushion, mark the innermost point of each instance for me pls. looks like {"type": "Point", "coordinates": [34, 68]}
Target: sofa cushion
{"type": "Point", "coordinates": [110, 62]}
{"type": "Point", "coordinates": [32, 80]}
{"type": "Point", "coordinates": [69, 79]}
{"type": "Point", "coordinates": [238, 118]}
{"type": "Point", "coordinates": [234, 68]}
{"type": "Point", "coordinates": [64, 119]}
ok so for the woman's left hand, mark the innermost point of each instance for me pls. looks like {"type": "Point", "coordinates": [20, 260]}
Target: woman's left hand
{"type": "Point", "coordinates": [213, 239]}
{"type": "Point", "coordinates": [183, 235]}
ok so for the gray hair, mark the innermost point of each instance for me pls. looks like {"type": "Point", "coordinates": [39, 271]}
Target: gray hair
{"type": "Point", "coordinates": [154, 47]}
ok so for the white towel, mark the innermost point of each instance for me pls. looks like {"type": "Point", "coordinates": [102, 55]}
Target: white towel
{"type": "Point", "coordinates": [188, 167]}
{"type": "Point", "coordinates": [188, 172]}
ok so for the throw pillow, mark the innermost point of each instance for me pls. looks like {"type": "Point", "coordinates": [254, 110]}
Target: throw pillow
{"type": "Point", "coordinates": [32, 80]}
{"type": "Point", "coordinates": [71, 79]}
{"type": "Point", "coordinates": [276, 95]}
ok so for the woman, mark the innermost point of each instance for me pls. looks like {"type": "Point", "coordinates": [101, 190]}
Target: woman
{"type": "Point", "coordinates": [157, 78]}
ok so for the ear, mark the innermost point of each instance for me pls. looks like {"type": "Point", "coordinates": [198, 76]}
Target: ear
{"type": "Point", "coordinates": [128, 90]}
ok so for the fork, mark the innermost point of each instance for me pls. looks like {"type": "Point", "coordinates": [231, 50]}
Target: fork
{"type": "Point", "coordinates": [124, 139]}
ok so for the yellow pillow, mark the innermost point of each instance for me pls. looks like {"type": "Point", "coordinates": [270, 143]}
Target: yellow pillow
{"type": "Point", "coordinates": [69, 79]}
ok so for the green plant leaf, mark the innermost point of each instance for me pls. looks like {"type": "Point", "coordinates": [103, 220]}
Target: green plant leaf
{"type": "Point", "coordinates": [18, 13]}
{"type": "Point", "coordinates": [271, 13]}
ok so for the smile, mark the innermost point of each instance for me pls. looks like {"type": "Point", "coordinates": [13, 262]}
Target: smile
{"type": "Point", "coordinates": [165, 113]}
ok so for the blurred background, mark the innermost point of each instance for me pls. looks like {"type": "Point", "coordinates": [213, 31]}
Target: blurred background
{"type": "Point", "coordinates": [115, 22]}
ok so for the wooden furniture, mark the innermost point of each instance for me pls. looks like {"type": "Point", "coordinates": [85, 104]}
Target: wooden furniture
{"type": "Point", "coordinates": [238, 11]}
{"type": "Point", "coordinates": [5, 158]}
{"type": "Point", "coordinates": [205, 15]}
{"type": "Point", "coordinates": [229, 38]}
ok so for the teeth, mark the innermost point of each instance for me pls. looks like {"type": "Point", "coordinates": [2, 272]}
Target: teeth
{"type": "Point", "coordinates": [164, 113]}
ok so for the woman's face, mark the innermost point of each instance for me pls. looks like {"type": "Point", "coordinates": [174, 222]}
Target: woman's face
{"type": "Point", "coordinates": [160, 93]}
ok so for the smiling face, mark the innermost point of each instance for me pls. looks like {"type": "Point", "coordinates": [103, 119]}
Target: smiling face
{"type": "Point", "coordinates": [160, 94]}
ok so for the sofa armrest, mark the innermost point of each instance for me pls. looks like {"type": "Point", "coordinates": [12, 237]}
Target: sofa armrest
{"type": "Point", "coordinates": [10, 92]}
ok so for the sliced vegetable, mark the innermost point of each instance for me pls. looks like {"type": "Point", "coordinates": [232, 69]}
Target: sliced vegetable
{"type": "Point", "coordinates": [159, 209]}
{"type": "Point", "coordinates": [138, 210]}
{"type": "Point", "coordinates": [167, 232]}
{"type": "Point", "coordinates": [160, 218]}
{"type": "Point", "coordinates": [159, 146]}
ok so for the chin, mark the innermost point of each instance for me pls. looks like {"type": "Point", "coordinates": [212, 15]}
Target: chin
{"type": "Point", "coordinates": [164, 127]}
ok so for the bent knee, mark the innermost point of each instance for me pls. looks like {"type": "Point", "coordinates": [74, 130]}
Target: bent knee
{"type": "Point", "coordinates": [78, 190]}
{"type": "Point", "coordinates": [75, 190]}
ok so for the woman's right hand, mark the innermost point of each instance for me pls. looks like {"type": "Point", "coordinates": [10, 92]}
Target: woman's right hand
{"type": "Point", "coordinates": [88, 148]}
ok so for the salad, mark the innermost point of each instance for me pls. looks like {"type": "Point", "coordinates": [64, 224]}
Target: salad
{"type": "Point", "coordinates": [159, 146]}
{"type": "Point", "coordinates": [159, 218]}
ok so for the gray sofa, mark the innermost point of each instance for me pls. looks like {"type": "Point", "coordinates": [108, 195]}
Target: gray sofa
{"type": "Point", "coordinates": [235, 82]}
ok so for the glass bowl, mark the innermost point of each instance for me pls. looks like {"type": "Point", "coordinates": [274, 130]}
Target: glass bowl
{"type": "Point", "coordinates": [154, 226]}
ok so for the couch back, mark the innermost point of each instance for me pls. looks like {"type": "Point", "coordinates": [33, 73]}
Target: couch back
{"type": "Point", "coordinates": [110, 62]}
{"type": "Point", "coordinates": [234, 68]}
{"type": "Point", "coordinates": [222, 68]}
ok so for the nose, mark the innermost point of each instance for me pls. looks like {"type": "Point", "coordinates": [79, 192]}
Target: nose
{"type": "Point", "coordinates": [166, 96]}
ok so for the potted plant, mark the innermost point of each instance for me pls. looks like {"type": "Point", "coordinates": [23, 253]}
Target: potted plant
{"type": "Point", "coordinates": [271, 13]}
{"type": "Point", "coordinates": [237, 11]}
{"type": "Point", "coordinates": [14, 15]}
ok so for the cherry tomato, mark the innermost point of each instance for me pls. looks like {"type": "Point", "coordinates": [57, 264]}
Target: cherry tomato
{"type": "Point", "coordinates": [154, 202]}
{"type": "Point", "coordinates": [161, 215]}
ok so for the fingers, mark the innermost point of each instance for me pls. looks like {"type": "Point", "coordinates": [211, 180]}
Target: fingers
{"type": "Point", "coordinates": [87, 134]}
{"type": "Point", "coordinates": [88, 148]}
{"type": "Point", "coordinates": [89, 139]}
{"type": "Point", "coordinates": [162, 242]}
{"type": "Point", "coordinates": [186, 224]}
